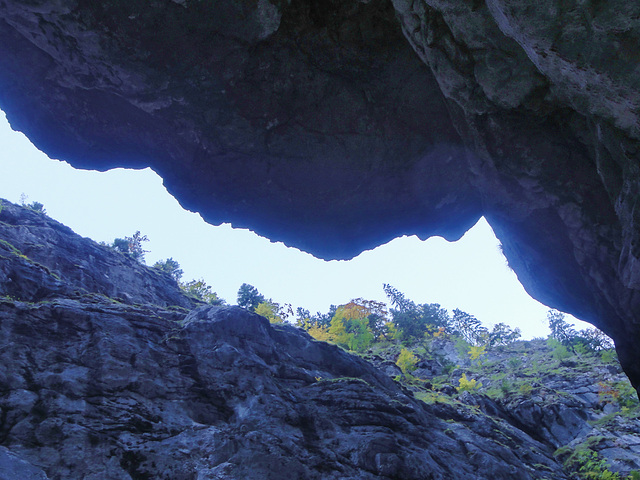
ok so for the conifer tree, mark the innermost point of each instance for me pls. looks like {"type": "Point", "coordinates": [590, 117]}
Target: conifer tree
{"type": "Point", "coordinates": [249, 297]}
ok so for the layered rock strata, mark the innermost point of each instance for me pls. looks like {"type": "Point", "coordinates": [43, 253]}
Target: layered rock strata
{"type": "Point", "coordinates": [93, 387]}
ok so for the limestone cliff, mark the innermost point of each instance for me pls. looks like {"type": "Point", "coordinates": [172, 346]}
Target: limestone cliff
{"type": "Point", "coordinates": [98, 387]}
{"type": "Point", "coordinates": [337, 125]}
{"type": "Point", "coordinates": [107, 371]}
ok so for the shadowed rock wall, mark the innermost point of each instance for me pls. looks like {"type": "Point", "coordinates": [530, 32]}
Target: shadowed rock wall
{"type": "Point", "coordinates": [337, 125]}
{"type": "Point", "coordinates": [92, 387]}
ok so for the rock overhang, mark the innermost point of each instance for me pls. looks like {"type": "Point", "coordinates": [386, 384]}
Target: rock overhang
{"type": "Point", "coordinates": [336, 126]}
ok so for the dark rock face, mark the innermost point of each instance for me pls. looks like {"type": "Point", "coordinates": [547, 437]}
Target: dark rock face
{"type": "Point", "coordinates": [41, 258]}
{"type": "Point", "coordinates": [336, 126]}
{"type": "Point", "coordinates": [103, 391]}
{"type": "Point", "coordinates": [260, 128]}
{"type": "Point", "coordinates": [93, 388]}
{"type": "Point", "coordinates": [555, 131]}
{"type": "Point", "coordinates": [583, 401]}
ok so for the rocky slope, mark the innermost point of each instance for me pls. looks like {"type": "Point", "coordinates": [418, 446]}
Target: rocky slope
{"type": "Point", "coordinates": [572, 401]}
{"type": "Point", "coordinates": [48, 259]}
{"type": "Point", "coordinates": [92, 387]}
{"type": "Point", "coordinates": [138, 387]}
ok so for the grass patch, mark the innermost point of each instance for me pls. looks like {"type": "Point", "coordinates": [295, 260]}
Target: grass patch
{"type": "Point", "coordinates": [342, 379]}
{"type": "Point", "coordinates": [431, 398]}
{"type": "Point", "coordinates": [14, 251]}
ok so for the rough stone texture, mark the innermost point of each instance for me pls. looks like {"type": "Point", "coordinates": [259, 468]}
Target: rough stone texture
{"type": "Point", "coordinates": [14, 468]}
{"type": "Point", "coordinates": [548, 97]}
{"type": "Point", "coordinates": [579, 402]}
{"type": "Point", "coordinates": [40, 258]}
{"type": "Point", "coordinates": [111, 391]}
{"type": "Point", "coordinates": [338, 125]}
{"type": "Point", "coordinates": [92, 388]}
{"type": "Point", "coordinates": [261, 130]}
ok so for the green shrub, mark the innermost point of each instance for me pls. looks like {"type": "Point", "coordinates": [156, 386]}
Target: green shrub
{"type": "Point", "coordinates": [462, 346]}
{"type": "Point", "coordinates": [585, 463]}
{"type": "Point", "coordinates": [406, 361]}
{"type": "Point", "coordinates": [430, 397]}
{"type": "Point", "coordinates": [36, 207]}
{"type": "Point", "coordinates": [171, 267]}
{"type": "Point", "coordinates": [590, 466]}
{"type": "Point", "coordinates": [467, 385]}
{"type": "Point", "coordinates": [476, 353]}
{"type": "Point", "coordinates": [558, 350]}
{"type": "Point", "coordinates": [628, 396]}
{"type": "Point", "coordinates": [131, 246]}
{"type": "Point", "coordinates": [609, 356]}
{"type": "Point", "coordinates": [506, 386]}
{"type": "Point", "coordinates": [269, 310]}
{"type": "Point", "coordinates": [350, 333]}
{"type": "Point", "coordinates": [525, 389]}
{"type": "Point", "coordinates": [514, 362]}
{"type": "Point", "coordinates": [199, 290]}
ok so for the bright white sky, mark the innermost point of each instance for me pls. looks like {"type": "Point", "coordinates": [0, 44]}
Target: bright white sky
{"type": "Point", "coordinates": [470, 274]}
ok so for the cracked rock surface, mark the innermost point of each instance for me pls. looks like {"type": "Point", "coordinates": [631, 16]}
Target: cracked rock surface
{"type": "Point", "coordinates": [94, 388]}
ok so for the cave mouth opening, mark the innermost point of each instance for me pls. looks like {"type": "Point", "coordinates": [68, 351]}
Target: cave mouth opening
{"type": "Point", "coordinates": [470, 274]}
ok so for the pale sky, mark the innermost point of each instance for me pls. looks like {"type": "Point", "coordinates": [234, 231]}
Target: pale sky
{"type": "Point", "coordinates": [470, 274]}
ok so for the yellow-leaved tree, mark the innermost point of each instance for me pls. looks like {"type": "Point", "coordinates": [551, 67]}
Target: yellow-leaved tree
{"type": "Point", "coordinates": [476, 353]}
{"type": "Point", "coordinates": [467, 385]}
{"type": "Point", "coordinates": [270, 311]}
{"type": "Point", "coordinates": [407, 362]}
{"type": "Point", "coordinates": [350, 327]}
